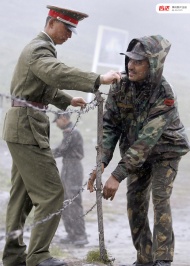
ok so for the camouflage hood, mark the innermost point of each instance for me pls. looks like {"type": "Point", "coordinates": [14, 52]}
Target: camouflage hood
{"type": "Point", "coordinates": [156, 48]}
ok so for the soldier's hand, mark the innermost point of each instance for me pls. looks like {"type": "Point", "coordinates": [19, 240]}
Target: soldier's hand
{"type": "Point", "coordinates": [110, 188]}
{"type": "Point", "coordinates": [90, 184]}
{"type": "Point", "coordinates": [78, 101]}
{"type": "Point", "coordinates": [110, 77]}
{"type": "Point", "coordinates": [92, 178]}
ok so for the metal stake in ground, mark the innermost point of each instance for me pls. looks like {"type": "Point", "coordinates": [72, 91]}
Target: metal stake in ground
{"type": "Point", "coordinates": [99, 176]}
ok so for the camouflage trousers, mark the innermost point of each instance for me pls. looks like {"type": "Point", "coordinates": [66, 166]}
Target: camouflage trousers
{"type": "Point", "coordinates": [157, 177]}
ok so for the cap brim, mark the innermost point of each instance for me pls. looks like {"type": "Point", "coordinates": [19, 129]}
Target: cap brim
{"type": "Point", "coordinates": [71, 28]}
{"type": "Point", "coordinates": [134, 56]}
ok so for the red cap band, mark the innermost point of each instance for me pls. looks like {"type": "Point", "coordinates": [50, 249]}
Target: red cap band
{"type": "Point", "coordinates": [55, 14]}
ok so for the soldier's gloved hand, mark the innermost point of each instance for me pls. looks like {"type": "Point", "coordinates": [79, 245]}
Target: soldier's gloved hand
{"type": "Point", "coordinates": [92, 178]}
{"type": "Point", "coordinates": [78, 101]}
{"type": "Point", "coordinates": [110, 77]}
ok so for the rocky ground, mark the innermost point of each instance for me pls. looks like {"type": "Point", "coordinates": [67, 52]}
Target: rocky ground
{"type": "Point", "coordinates": [116, 230]}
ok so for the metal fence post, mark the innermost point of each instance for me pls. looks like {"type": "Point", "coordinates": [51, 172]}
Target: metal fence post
{"type": "Point", "coordinates": [99, 175]}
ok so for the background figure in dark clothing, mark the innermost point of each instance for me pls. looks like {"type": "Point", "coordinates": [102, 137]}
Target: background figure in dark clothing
{"type": "Point", "coordinates": [71, 150]}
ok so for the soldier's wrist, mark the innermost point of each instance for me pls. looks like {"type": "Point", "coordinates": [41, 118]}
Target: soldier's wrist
{"type": "Point", "coordinates": [102, 81]}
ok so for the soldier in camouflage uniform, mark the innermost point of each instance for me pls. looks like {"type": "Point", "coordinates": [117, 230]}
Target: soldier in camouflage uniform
{"type": "Point", "coordinates": [141, 113]}
{"type": "Point", "coordinates": [72, 152]}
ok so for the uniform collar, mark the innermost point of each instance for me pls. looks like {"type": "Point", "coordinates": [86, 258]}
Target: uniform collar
{"type": "Point", "coordinates": [48, 37]}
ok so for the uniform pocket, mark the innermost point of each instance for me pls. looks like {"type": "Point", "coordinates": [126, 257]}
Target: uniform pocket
{"type": "Point", "coordinates": [10, 126]}
{"type": "Point", "coordinates": [39, 123]}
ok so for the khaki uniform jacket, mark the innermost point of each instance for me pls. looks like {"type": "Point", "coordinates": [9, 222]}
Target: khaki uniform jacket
{"type": "Point", "coordinates": [40, 77]}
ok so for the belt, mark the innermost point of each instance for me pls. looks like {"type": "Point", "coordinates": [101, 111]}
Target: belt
{"type": "Point", "coordinates": [16, 103]}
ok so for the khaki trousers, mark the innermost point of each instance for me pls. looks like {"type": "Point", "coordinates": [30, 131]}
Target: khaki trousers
{"type": "Point", "coordinates": [35, 183]}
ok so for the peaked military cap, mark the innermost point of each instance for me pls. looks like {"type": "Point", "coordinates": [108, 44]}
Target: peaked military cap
{"type": "Point", "coordinates": [67, 16]}
{"type": "Point", "coordinates": [137, 52]}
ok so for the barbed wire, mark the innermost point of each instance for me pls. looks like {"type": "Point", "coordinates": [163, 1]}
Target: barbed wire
{"type": "Point", "coordinates": [89, 106]}
{"type": "Point", "coordinates": [16, 233]}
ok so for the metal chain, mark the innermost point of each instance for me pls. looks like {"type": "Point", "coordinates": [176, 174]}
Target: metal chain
{"type": "Point", "coordinates": [89, 106]}
{"type": "Point", "coordinates": [16, 233]}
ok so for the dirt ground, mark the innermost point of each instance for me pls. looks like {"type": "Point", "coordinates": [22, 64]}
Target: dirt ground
{"type": "Point", "coordinates": [116, 230]}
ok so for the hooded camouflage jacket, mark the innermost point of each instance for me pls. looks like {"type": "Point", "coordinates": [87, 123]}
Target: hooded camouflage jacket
{"type": "Point", "coordinates": [143, 117]}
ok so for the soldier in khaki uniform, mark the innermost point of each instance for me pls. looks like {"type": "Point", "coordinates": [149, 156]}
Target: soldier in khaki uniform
{"type": "Point", "coordinates": [142, 114]}
{"type": "Point", "coordinates": [39, 78]}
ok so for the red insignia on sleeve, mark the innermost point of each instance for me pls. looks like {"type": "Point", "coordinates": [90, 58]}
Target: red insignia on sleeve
{"type": "Point", "coordinates": [169, 102]}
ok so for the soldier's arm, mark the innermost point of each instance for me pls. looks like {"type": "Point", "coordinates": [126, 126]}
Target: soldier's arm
{"type": "Point", "coordinates": [56, 74]}
{"type": "Point", "coordinates": [111, 127]}
{"type": "Point", "coordinates": [111, 134]}
{"type": "Point", "coordinates": [62, 100]}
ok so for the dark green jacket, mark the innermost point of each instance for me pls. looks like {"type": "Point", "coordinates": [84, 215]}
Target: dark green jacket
{"type": "Point", "coordinates": [40, 77]}
{"type": "Point", "coordinates": [143, 117]}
